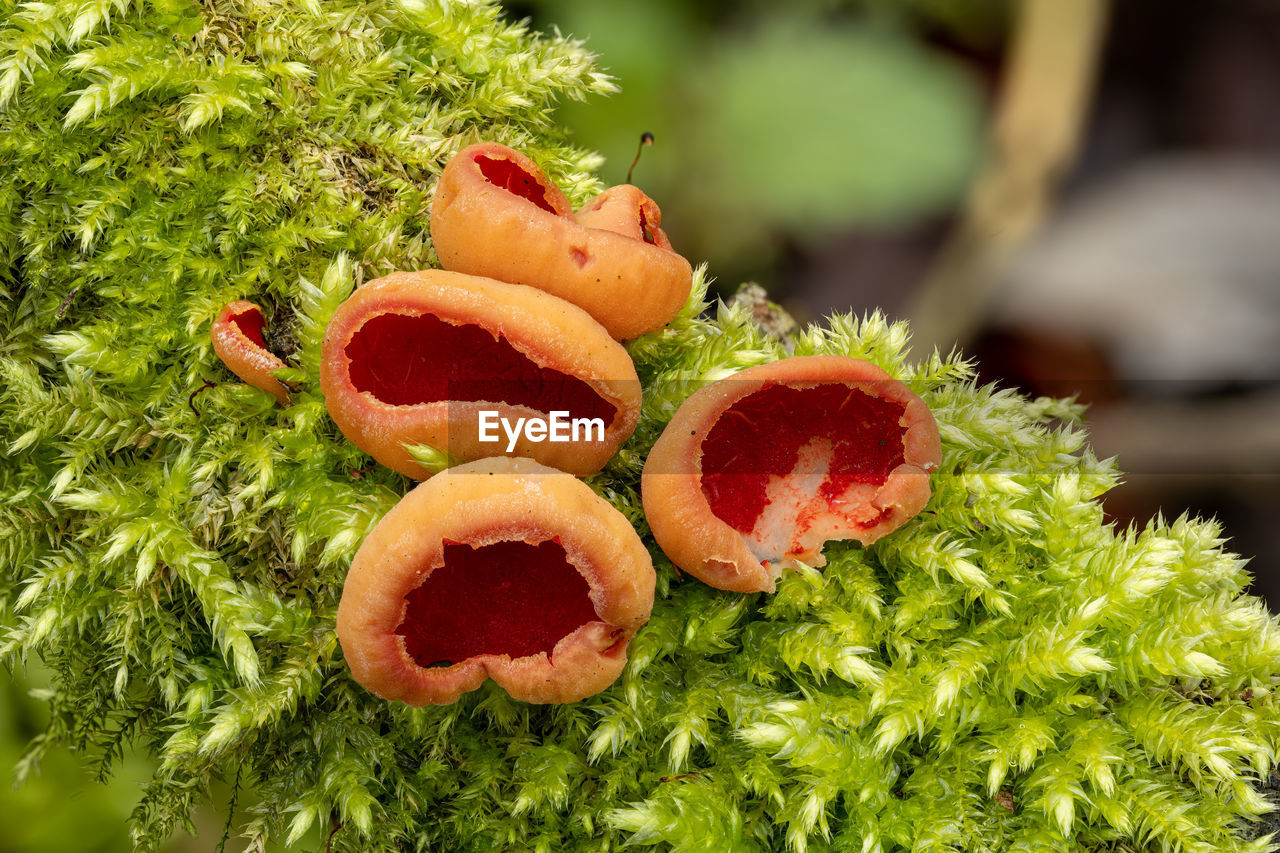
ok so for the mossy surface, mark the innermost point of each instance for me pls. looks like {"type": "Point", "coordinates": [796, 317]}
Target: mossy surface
{"type": "Point", "coordinates": [1006, 672]}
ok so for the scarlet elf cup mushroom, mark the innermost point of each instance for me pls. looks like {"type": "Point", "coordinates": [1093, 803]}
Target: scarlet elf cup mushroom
{"type": "Point", "coordinates": [756, 472]}
{"type": "Point", "coordinates": [509, 570]}
{"type": "Point", "coordinates": [502, 569]}
{"type": "Point", "coordinates": [238, 342]}
{"type": "Point", "coordinates": [496, 214]}
{"type": "Point", "coordinates": [420, 357]}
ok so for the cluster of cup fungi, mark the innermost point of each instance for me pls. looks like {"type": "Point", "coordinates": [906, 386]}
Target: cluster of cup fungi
{"type": "Point", "coordinates": [508, 567]}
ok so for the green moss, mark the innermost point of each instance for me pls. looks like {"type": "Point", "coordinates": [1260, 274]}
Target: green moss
{"type": "Point", "coordinates": [1007, 672]}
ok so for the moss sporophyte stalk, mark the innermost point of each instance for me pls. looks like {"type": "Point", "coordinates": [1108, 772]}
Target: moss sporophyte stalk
{"type": "Point", "coordinates": [1005, 671]}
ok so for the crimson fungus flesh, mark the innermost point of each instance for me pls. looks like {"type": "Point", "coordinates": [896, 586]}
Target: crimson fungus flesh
{"type": "Point", "coordinates": [238, 342]}
{"type": "Point", "coordinates": [420, 357]}
{"type": "Point", "coordinates": [496, 214]}
{"type": "Point", "coordinates": [756, 472]}
{"type": "Point", "coordinates": [502, 569]}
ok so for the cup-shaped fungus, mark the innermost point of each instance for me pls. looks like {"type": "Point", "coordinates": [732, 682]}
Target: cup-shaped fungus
{"type": "Point", "coordinates": [756, 472]}
{"type": "Point", "coordinates": [476, 368]}
{"type": "Point", "coordinates": [237, 340]}
{"type": "Point", "coordinates": [496, 214]}
{"type": "Point", "coordinates": [625, 210]}
{"type": "Point", "coordinates": [502, 569]}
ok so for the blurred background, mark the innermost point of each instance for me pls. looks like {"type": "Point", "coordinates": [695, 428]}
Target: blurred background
{"type": "Point", "coordinates": [1083, 195]}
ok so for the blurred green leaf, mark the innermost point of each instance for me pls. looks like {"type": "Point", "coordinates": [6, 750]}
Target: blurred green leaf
{"type": "Point", "coordinates": [58, 807]}
{"type": "Point", "coordinates": [780, 125]}
{"type": "Point", "coordinates": [649, 48]}
{"type": "Point", "coordinates": [835, 126]}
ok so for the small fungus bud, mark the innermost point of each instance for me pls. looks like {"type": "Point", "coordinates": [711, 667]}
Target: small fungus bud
{"type": "Point", "coordinates": [501, 569]}
{"type": "Point", "coordinates": [625, 210]}
{"type": "Point", "coordinates": [756, 472]}
{"type": "Point", "coordinates": [496, 214]}
{"type": "Point", "coordinates": [238, 341]}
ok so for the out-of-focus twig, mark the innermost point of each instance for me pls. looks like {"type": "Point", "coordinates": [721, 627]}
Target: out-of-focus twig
{"type": "Point", "coordinates": [1047, 87]}
{"type": "Point", "coordinates": [1231, 436]}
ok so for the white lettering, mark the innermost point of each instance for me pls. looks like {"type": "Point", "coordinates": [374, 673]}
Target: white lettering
{"type": "Point", "coordinates": [512, 434]}
{"type": "Point", "coordinates": [559, 426]}
{"type": "Point", "coordinates": [588, 424]}
{"type": "Point", "coordinates": [488, 422]}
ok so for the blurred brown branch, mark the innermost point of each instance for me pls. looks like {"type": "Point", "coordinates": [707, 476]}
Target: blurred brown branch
{"type": "Point", "coordinates": [1047, 87]}
{"type": "Point", "coordinates": [1227, 436]}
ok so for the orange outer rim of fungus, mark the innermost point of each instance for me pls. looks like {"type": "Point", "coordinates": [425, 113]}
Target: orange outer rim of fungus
{"type": "Point", "coordinates": [480, 503]}
{"type": "Point", "coordinates": [699, 542]}
{"type": "Point", "coordinates": [600, 261]}
{"type": "Point", "coordinates": [548, 331]}
{"type": "Point", "coordinates": [244, 355]}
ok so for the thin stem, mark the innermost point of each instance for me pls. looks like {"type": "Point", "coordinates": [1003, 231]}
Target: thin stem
{"type": "Point", "coordinates": [191, 400]}
{"type": "Point", "coordinates": [1035, 132]}
{"type": "Point", "coordinates": [646, 139]}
